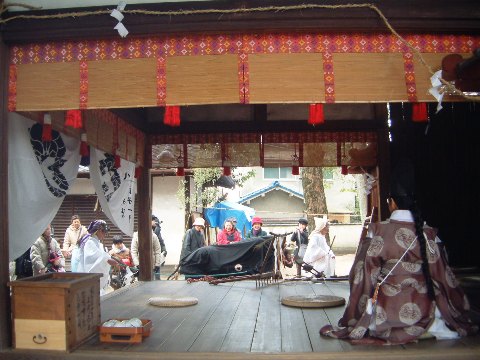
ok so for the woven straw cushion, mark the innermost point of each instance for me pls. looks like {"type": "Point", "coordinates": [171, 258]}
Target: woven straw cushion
{"type": "Point", "coordinates": [173, 301]}
{"type": "Point", "coordinates": [313, 301]}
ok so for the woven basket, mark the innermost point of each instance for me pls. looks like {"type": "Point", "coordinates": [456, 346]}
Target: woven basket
{"type": "Point", "coordinates": [173, 301]}
{"type": "Point", "coordinates": [313, 301]}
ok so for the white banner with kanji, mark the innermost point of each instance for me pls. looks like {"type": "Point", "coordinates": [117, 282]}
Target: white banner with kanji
{"type": "Point", "coordinates": [40, 174]}
{"type": "Point", "coordinates": [115, 188]}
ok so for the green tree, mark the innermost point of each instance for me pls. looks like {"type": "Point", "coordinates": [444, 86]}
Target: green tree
{"type": "Point", "coordinates": [314, 193]}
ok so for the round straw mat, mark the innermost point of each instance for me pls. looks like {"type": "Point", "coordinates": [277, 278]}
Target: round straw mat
{"type": "Point", "coordinates": [313, 301]}
{"type": "Point", "coordinates": [173, 301]}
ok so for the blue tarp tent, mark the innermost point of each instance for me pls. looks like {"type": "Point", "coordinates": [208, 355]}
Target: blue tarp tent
{"type": "Point", "coordinates": [217, 215]}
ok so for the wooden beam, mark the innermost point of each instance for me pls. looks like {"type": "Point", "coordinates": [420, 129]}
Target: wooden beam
{"type": "Point", "coordinates": [427, 16]}
{"type": "Point", "coordinates": [5, 315]}
{"type": "Point", "coordinates": [144, 187]}
{"type": "Point", "coordinates": [214, 127]}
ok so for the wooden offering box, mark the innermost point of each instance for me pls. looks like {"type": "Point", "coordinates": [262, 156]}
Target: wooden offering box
{"type": "Point", "coordinates": [55, 311]}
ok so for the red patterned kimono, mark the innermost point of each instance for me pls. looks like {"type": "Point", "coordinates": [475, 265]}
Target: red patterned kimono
{"type": "Point", "coordinates": [403, 311]}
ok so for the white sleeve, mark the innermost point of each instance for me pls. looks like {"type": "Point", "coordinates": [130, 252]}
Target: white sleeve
{"type": "Point", "coordinates": [134, 249]}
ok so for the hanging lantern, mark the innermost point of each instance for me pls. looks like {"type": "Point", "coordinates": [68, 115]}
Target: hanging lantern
{"type": "Point", "coordinates": [295, 170]}
{"type": "Point", "coordinates": [172, 116]}
{"type": "Point", "coordinates": [73, 118]}
{"type": "Point", "coordinates": [227, 171]}
{"type": "Point", "coordinates": [316, 114]}
{"type": "Point", "coordinates": [180, 171]}
{"type": "Point", "coordinates": [84, 150]}
{"type": "Point", "coordinates": [47, 128]}
{"type": "Point", "coordinates": [419, 112]}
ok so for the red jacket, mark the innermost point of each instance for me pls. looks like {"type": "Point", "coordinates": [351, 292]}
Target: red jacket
{"type": "Point", "coordinates": [225, 238]}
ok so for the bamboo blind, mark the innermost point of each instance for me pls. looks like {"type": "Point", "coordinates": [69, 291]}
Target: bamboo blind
{"type": "Point", "coordinates": [202, 80]}
{"type": "Point", "coordinates": [122, 83]}
{"type": "Point", "coordinates": [217, 79]}
{"type": "Point", "coordinates": [277, 78]}
{"type": "Point", "coordinates": [369, 77]}
{"type": "Point", "coordinates": [48, 86]}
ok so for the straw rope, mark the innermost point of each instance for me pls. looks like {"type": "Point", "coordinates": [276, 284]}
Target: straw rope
{"type": "Point", "coordinates": [451, 88]}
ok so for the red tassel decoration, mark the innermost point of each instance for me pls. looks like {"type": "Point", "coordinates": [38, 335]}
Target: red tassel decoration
{"type": "Point", "coordinates": [47, 128]}
{"type": "Point", "coordinates": [84, 149]}
{"type": "Point", "coordinates": [180, 171]}
{"type": "Point", "coordinates": [295, 170]}
{"type": "Point", "coordinates": [419, 112]}
{"type": "Point", "coordinates": [227, 171]}
{"type": "Point", "coordinates": [316, 116]}
{"type": "Point", "coordinates": [73, 118]}
{"type": "Point", "coordinates": [118, 161]}
{"type": "Point", "coordinates": [138, 171]}
{"type": "Point", "coordinates": [172, 116]}
{"type": "Point", "coordinates": [344, 170]}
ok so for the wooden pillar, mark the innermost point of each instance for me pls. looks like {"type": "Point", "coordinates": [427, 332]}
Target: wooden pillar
{"type": "Point", "coordinates": [5, 316]}
{"type": "Point", "coordinates": [144, 196]}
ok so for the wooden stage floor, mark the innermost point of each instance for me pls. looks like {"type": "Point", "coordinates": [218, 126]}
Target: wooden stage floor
{"type": "Point", "coordinates": [239, 321]}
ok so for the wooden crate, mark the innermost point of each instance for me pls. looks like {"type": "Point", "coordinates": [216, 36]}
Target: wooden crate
{"type": "Point", "coordinates": [55, 311]}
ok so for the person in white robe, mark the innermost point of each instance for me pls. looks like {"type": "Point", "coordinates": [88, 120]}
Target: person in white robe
{"type": "Point", "coordinates": [91, 256]}
{"type": "Point", "coordinates": [318, 253]}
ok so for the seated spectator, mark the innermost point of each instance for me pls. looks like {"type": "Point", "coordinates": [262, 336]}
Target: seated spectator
{"type": "Point", "coordinates": [55, 263]}
{"type": "Point", "coordinates": [256, 230]}
{"type": "Point", "coordinates": [41, 249]}
{"type": "Point", "coordinates": [229, 234]}
{"type": "Point", "coordinates": [120, 251]}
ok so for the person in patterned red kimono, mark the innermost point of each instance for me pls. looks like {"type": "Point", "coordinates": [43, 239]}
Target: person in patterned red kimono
{"type": "Point", "coordinates": [401, 287]}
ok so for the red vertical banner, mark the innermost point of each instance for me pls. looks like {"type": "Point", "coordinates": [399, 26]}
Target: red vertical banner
{"type": "Point", "coordinates": [328, 78]}
{"type": "Point", "coordinates": [161, 81]}
{"type": "Point", "coordinates": [83, 99]}
{"type": "Point", "coordinates": [410, 83]}
{"type": "Point", "coordinates": [12, 88]}
{"type": "Point", "coordinates": [243, 79]}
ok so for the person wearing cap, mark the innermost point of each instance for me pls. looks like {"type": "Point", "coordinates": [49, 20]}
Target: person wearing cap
{"type": "Point", "coordinates": [91, 256]}
{"type": "Point", "coordinates": [157, 257]}
{"type": "Point", "coordinates": [256, 230]}
{"type": "Point", "coordinates": [41, 249]}
{"type": "Point", "coordinates": [158, 231]}
{"type": "Point", "coordinates": [229, 234]}
{"type": "Point", "coordinates": [401, 287]}
{"type": "Point", "coordinates": [318, 253]}
{"type": "Point", "coordinates": [194, 238]}
{"type": "Point", "coordinates": [300, 238]}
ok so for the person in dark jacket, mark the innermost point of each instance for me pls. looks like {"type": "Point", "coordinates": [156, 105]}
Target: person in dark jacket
{"type": "Point", "coordinates": [157, 230]}
{"type": "Point", "coordinates": [256, 230]}
{"type": "Point", "coordinates": [300, 237]}
{"type": "Point", "coordinates": [194, 238]}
